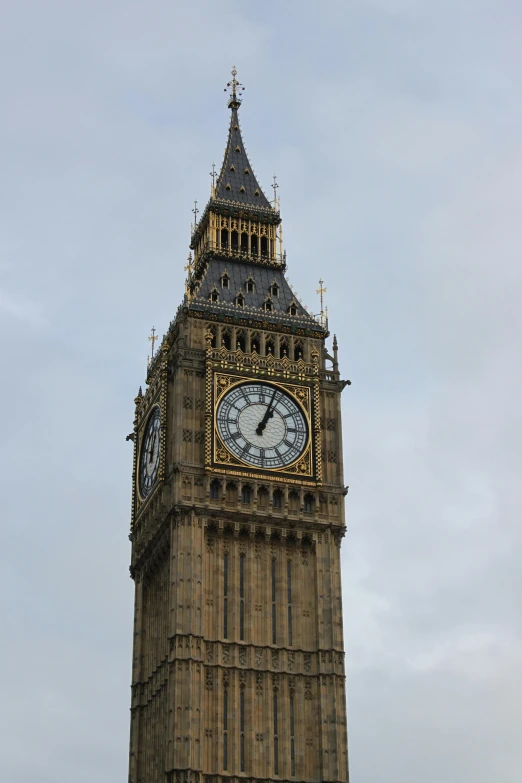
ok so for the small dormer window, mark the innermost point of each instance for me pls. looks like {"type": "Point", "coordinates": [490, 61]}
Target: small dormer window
{"type": "Point", "coordinates": [269, 306]}
{"type": "Point", "coordinates": [238, 149]}
{"type": "Point", "coordinates": [274, 289]}
{"type": "Point", "coordinates": [292, 309]}
{"type": "Point", "coordinates": [256, 193]}
{"type": "Point", "coordinates": [227, 186]}
{"type": "Point", "coordinates": [247, 171]}
{"type": "Point", "coordinates": [240, 301]}
{"type": "Point", "coordinates": [214, 296]}
{"type": "Point", "coordinates": [242, 189]}
{"type": "Point", "coordinates": [236, 127]}
{"type": "Point", "coordinates": [250, 286]}
{"type": "Point", "coordinates": [232, 168]}
{"type": "Point", "coordinates": [225, 281]}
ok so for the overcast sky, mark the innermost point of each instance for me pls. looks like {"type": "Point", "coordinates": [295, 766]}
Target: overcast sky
{"type": "Point", "coordinates": [394, 127]}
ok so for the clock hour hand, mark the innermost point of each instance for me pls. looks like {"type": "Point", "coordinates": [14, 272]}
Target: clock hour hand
{"type": "Point", "coordinates": [268, 415]}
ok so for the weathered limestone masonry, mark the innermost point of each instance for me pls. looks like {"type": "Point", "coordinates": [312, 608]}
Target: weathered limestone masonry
{"type": "Point", "coordinates": [238, 659]}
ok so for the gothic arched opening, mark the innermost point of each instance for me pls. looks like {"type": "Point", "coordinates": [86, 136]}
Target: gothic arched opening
{"type": "Point", "coordinates": [255, 343]}
{"type": "Point", "coordinates": [214, 489]}
{"type": "Point", "coordinates": [277, 499]}
{"type": "Point", "coordinates": [298, 350]}
{"type": "Point", "coordinates": [293, 501]}
{"type": "Point", "coordinates": [226, 339]}
{"type": "Point", "coordinates": [309, 503]}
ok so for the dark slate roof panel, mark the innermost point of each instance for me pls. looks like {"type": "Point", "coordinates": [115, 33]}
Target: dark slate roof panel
{"type": "Point", "coordinates": [239, 272]}
{"type": "Point", "coordinates": [237, 172]}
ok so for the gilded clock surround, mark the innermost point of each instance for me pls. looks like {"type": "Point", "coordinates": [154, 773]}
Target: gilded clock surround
{"type": "Point", "coordinates": [222, 457]}
{"type": "Point", "coordinates": [297, 378]}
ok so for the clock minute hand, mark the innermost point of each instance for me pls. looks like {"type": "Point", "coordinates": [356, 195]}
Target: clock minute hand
{"type": "Point", "coordinates": [268, 415]}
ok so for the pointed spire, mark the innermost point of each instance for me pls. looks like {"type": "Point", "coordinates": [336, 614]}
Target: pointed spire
{"type": "Point", "coordinates": [236, 180]}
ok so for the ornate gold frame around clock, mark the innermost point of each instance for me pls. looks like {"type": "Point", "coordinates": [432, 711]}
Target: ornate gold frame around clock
{"type": "Point", "coordinates": [141, 437]}
{"type": "Point", "coordinates": [155, 396]}
{"type": "Point", "coordinates": [221, 456]}
{"type": "Point", "coordinates": [225, 368]}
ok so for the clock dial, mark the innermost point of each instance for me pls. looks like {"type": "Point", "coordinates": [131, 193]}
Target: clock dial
{"type": "Point", "coordinates": [150, 454]}
{"type": "Point", "coordinates": [262, 425]}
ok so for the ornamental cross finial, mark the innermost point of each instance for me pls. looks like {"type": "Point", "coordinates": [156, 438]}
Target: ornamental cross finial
{"type": "Point", "coordinates": [189, 266]}
{"type": "Point", "coordinates": [275, 186]}
{"type": "Point", "coordinates": [153, 337]}
{"type": "Point", "coordinates": [213, 175]}
{"type": "Point", "coordinates": [236, 89]}
{"type": "Point", "coordinates": [195, 212]}
{"type": "Point", "coordinates": [321, 291]}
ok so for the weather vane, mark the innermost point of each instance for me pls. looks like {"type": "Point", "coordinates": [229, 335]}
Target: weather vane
{"type": "Point", "coordinates": [153, 337]}
{"type": "Point", "coordinates": [275, 186]}
{"type": "Point", "coordinates": [321, 291]}
{"type": "Point", "coordinates": [237, 88]}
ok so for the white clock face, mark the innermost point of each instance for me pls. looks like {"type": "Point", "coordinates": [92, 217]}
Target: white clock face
{"type": "Point", "coordinates": [262, 425]}
{"type": "Point", "coordinates": [150, 454]}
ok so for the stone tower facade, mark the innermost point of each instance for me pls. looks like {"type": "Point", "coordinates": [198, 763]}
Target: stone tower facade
{"type": "Point", "coordinates": [238, 516]}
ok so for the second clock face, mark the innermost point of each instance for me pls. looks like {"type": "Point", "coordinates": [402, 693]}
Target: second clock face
{"type": "Point", "coordinates": [150, 453]}
{"type": "Point", "coordinates": [262, 425]}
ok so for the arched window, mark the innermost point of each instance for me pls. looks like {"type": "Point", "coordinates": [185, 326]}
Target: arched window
{"type": "Point", "coordinates": [244, 242]}
{"type": "Point", "coordinates": [309, 503]}
{"type": "Point", "coordinates": [264, 246]}
{"type": "Point", "coordinates": [262, 498]}
{"type": "Point", "coordinates": [277, 499]}
{"type": "Point", "coordinates": [255, 343]}
{"type": "Point", "coordinates": [298, 350]}
{"type": "Point", "coordinates": [270, 346]}
{"type": "Point", "coordinates": [246, 495]}
{"type": "Point", "coordinates": [283, 348]}
{"type": "Point", "coordinates": [253, 244]}
{"type": "Point", "coordinates": [241, 341]}
{"type": "Point", "coordinates": [226, 339]}
{"type": "Point", "coordinates": [234, 237]}
{"type": "Point", "coordinates": [224, 238]}
{"type": "Point", "coordinates": [231, 493]}
{"type": "Point", "coordinates": [293, 501]}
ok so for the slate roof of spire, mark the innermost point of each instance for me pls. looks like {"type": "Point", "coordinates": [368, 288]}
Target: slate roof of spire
{"type": "Point", "coordinates": [239, 272]}
{"type": "Point", "coordinates": [237, 181]}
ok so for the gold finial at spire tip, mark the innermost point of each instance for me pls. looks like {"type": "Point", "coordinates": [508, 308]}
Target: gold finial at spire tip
{"type": "Point", "coordinates": [236, 89]}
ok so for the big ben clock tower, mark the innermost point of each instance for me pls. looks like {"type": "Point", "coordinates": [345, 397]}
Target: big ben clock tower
{"type": "Point", "coordinates": [238, 516]}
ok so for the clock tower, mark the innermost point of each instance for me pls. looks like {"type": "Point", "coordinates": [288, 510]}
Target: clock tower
{"type": "Point", "coordinates": [238, 515]}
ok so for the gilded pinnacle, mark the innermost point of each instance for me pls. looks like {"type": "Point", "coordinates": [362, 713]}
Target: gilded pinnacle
{"type": "Point", "coordinates": [236, 89]}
